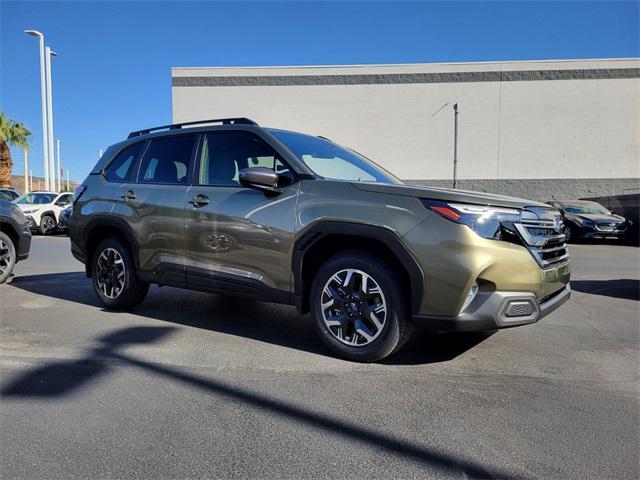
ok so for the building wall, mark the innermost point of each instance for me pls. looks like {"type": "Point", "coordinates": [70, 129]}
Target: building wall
{"type": "Point", "coordinates": [525, 128]}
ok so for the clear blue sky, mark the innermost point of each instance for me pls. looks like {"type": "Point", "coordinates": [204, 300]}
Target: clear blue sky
{"type": "Point", "coordinates": [114, 70]}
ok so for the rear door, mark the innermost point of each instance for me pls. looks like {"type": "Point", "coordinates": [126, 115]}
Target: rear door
{"type": "Point", "coordinates": [153, 206]}
{"type": "Point", "coordinates": [238, 238]}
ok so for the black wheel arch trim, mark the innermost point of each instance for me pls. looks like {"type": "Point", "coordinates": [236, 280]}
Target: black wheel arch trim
{"type": "Point", "coordinates": [316, 231]}
{"type": "Point", "coordinates": [113, 222]}
{"type": "Point", "coordinates": [49, 213]}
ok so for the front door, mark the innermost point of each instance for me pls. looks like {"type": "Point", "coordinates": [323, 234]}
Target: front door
{"type": "Point", "coordinates": [237, 238]}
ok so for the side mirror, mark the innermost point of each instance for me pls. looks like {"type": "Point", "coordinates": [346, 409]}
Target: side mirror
{"type": "Point", "coordinates": [260, 178]}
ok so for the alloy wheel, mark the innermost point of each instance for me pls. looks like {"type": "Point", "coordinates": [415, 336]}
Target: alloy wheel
{"type": "Point", "coordinates": [48, 225]}
{"type": "Point", "coordinates": [354, 308]}
{"type": "Point", "coordinates": [567, 233]}
{"type": "Point", "coordinates": [5, 257]}
{"type": "Point", "coordinates": [110, 273]}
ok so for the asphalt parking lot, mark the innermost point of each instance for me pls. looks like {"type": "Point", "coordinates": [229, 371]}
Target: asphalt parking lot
{"type": "Point", "coordinates": [192, 385]}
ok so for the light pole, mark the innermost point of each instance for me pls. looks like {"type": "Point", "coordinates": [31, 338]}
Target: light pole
{"type": "Point", "coordinates": [59, 172]}
{"type": "Point", "coordinates": [26, 171]}
{"type": "Point", "coordinates": [43, 94]}
{"type": "Point", "coordinates": [52, 167]}
{"type": "Point", "coordinates": [68, 180]}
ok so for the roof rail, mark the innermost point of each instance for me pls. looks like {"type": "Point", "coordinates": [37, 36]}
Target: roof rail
{"type": "Point", "coordinates": [175, 126]}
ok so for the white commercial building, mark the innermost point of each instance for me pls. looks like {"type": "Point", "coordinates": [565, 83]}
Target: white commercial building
{"type": "Point", "coordinates": [540, 129]}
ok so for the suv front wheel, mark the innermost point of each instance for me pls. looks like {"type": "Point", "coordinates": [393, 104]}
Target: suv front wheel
{"type": "Point", "coordinates": [47, 224]}
{"type": "Point", "coordinates": [114, 275]}
{"type": "Point", "coordinates": [358, 307]}
{"type": "Point", "coordinates": [7, 257]}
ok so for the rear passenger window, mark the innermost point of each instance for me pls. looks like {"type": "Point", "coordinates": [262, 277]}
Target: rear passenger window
{"type": "Point", "coordinates": [121, 166]}
{"type": "Point", "coordinates": [167, 160]}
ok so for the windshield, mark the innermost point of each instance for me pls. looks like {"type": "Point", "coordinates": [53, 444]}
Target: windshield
{"type": "Point", "coordinates": [586, 208]}
{"type": "Point", "coordinates": [35, 198]}
{"type": "Point", "coordinates": [332, 161]}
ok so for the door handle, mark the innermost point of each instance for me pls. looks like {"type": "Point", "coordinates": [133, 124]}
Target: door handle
{"type": "Point", "coordinates": [130, 195]}
{"type": "Point", "coordinates": [199, 201]}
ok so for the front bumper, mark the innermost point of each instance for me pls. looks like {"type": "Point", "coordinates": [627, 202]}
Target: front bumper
{"type": "Point", "coordinates": [493, 310]}
{"type": "Point", "coordinates": [592, 233]}
{"type": "Point", "coordinates": [24, 246]}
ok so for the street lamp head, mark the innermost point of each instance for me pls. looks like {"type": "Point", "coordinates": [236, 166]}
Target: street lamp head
{"type": "Point", "coordinates": [52, 53]}
{"type": "Point", "coordinates": [34, 33]}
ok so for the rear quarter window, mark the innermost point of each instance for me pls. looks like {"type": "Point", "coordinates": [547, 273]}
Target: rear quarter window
{"type": "Point", "coordinates": [120, 169]}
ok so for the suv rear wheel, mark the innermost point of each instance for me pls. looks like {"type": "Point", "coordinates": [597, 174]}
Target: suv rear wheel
{"type": "Point", "coordinates": [114, 275]}
{"type": "Point", "coordinates": [7, 257]}
{"type": "Point", "coordinates": [358, 307]}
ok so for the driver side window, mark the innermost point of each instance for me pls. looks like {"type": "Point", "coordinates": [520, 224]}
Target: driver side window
{"type": "Point", "coordinates": [224, 154]}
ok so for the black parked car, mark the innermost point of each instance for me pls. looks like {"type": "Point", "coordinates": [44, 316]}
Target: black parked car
{"type": "Point", "coordinates": [63, 219]}
{"type": "Point", "coordinates": [15, 238]}
{"type": "Point", "coordinates": [589, 220]}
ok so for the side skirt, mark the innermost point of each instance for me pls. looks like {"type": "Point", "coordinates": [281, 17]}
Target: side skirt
{"type": "Point", "coordinates": [219, 283]}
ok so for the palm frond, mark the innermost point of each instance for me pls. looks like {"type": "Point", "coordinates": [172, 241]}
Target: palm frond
{"type": "Point", "coordinates": [14, 133]}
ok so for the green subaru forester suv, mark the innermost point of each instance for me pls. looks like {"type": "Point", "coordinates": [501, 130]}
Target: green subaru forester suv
{"type": "Point", "coordinates": [229, 207]}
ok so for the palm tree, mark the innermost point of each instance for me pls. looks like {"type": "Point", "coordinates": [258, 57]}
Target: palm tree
{"type": "Point", "coordinates": [13, 133]}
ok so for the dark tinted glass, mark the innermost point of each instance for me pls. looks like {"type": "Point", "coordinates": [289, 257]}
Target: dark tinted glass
{"type": "Point", "coordinates": [586, 208]}
{"type": "Point", "coordinates": [225, 154]}
{"type": "Point", "coordinates": [167, 160]}
{"type": "Point", "coordinates": [36, 198]}
{"type": "Point", "coordinates": [65, 199]}
{"type": "Point", "coordinates": [8, 194]}
{"type": "Point", "coordinates": [120, 168]}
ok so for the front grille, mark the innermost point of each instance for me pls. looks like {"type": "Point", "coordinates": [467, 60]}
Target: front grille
{"type": "Point", "coordinates": [610, 227]}
{"type": "Point", "coordinates": [539, 231]}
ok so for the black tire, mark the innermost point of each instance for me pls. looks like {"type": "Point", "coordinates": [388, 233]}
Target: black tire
{"type": "Point", "coordinates": [7, 257]}
{"type": "Point", "coordinates": [396, 328]}
{"type": "Point", "coordinates": [133, 290]}
{"type": "Point", "coordinates": [47, 225]}
{"type": "Point", "coordinates": [568, 233]}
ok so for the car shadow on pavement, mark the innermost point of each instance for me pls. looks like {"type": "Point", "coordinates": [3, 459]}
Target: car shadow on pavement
{"type": "Point", "coordinates": [627, 288]}
{"type": "Point", "coordinates": [264, 322]}
{"type": "Point", "coordinates": [60, 378]}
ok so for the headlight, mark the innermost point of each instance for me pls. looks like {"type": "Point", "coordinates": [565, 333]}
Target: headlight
{"type": "Point", "coordinates": [26, 212]}
{"type": "Point", "coordinates": [583, 222]}
{"type": "Point", "coordinates": [486, 221]}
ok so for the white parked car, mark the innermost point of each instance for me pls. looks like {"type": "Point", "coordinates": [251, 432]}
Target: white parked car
{"type": "Point", "coordinates": [42, 209]}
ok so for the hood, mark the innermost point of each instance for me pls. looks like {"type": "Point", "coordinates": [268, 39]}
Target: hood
{"type": "Point", "coordinates": [450, 195]}
{"type": "Point", "coordinates": [598, 217]}
{"type": "Point", "coordinates": [11, 210]}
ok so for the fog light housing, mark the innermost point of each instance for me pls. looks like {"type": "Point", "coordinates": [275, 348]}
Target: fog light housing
{"type": "Point", "coordinates": [473, 291]}
{"type": "Point", "coordinates": [520, 309]}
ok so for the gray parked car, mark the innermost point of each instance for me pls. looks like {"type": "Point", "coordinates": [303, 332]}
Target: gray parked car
{"type": "Point", "coordinates": [15, 238]}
